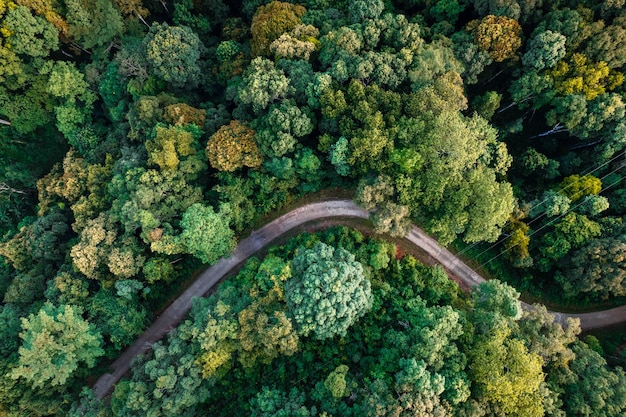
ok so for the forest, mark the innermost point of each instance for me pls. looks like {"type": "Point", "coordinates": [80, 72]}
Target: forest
{"type": "Point", "coordinates": [141, 139]}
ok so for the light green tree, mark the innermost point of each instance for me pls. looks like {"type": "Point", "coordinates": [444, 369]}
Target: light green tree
{"type": "Point", "coordinates": [74, 97]}
{"type": "Point", "coordinates": [262, 84]}
{"type": "Point", "coordinates": [55, 342]}
{"type": "Point", "coordinates": [328, 291]}
{"type": "Point", "coordinates": [544, 50]}
{"type": "Point", "coordinates": [206, 234]}
{"type": "Point", "coordinates": [174, 53]}
{"type": "Point", "coordinates": [29, 35]}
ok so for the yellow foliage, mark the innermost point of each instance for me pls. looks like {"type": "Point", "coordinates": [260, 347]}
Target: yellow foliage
{"type": "Point", "coordinates": [211, 361]}
{"type": "Point", "coordinates": [271, 21]}
{"type": "Point", "coordinates": [45, 8]}
{"type": "Point", "coordinates": [581, 76]}
{"type": "Point", "coordinates": [131, 8]}
{"type": "Point", "coordinates": [500, 36]}
{"type": "Point", "coordinates": [517, 243]}
{"type": "Point", "coordinates": [168, 145]}
{"type": "Point", "coordinates": [576, 187]}
{"type": "Point", "coordinates": [233, 147]}
{"type": "Point", "coordinates": [180, 114]}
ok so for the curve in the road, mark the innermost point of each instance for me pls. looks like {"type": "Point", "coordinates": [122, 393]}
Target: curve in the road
{"type": "Point", "coordinates": [171, 317]}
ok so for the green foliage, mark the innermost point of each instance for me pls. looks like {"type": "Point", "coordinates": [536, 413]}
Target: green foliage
{"type": "Point", "coordinates": [206, 234]}
{"type": "Point", "coordinates": [157, 269]}
{"type": "Point", "coordinates": [112, 89]}
{"type": "Point", "coordinates": [93, 23]}
{"type": "Point", "coordinates": [227, 50]}
{"type": "Point", "coordinates": [9, 329]}
{"type": "Point", "coordinates": [366, 9]}
{"type": "Point", "coordinates": [119, 319]}
{"type": "Point", "coordinates": [339, 154]}
{"type": "Point", "coordinates": [75, 99]}
{"type": "Point", "coordinates": [487, 104]}
{"type": "Point", "coordinates": [506, 373]}
{"type": "Point", "coordinates": [173, 53]}
{"type": "Point", "coordinates": [262, 84]}
{"type": "Point", "coordinates": [533, 161]}
{"type": "Point", "coordinates": [68, 288]}
{"type": "Point", "coordinates": [391, 218]}
{"type": "Point", "coordinates": [455, 191]}
{"type": "Point", "coordinates": [335, 382]}
{"type": "Point", "coordinates": [167, 383]}
{"type": "Point", "coordinates": [186, 15]}
{"type": "Point", "coordinates": [29, 35]}
{"type": "Point", "coordinates": [54, 342]}
{"type": "Point", "coordinates": [595, 269]}
{"type": "Point", "coordinates": [469, 54]}
{"type": "Point", "coordinates": [271, 402]}
{"type": "Point", "coordinates": [497, 298]}
{"type": "Point", "coordinates": [572, 231]}
{"type": "Point", "coordinates": [551, 204]}
{"type": "Point", "coordinates": [607, 45]}
{"type": "Point", "coordinates": [153, 200]}
{"type": "Point", "coordinates": [592, 388]}
{"type": "Point", "coordinates": [508, 376]}
{"type": "Point", "coordinates": [545, 50]}
{"type": "Point", "coordinates": [328, 292]}
{"type": "Point", "coordinates": [277, 132]}
{"type": "Point", "coordinates": [369, 95]}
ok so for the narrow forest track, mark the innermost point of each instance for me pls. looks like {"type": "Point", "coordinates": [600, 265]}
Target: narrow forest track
{"type": "Point", "coordinates": [261, 238]}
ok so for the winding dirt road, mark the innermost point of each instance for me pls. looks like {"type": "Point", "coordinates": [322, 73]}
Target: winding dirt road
{"type": "Point", "coordinates": [176, 312]}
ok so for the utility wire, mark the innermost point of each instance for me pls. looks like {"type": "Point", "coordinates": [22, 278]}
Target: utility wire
{"type": "Point", "coordinates": [548, 223]}
{"type": "Point", "coordinates": [543, 201]}
{"type": "Point", "coordinates": [542, 215]}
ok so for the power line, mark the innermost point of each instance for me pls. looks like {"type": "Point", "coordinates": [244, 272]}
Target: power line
{"type": "Point", "coordinates": [538, 217]}
{"type": "Point", "coordinates": [542, 202]}
{"type": "Point", "coordinates": [549, 223]}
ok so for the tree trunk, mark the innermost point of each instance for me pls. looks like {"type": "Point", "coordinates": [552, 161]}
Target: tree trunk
{"type": "Point", "coordinates": [557, 128]}
{"type": "Point", "coordinates": [515, 103]}
{"type": "Point", "coordinates": [4, 187]}
{"type": "Point", "coordinates": [584, 145]}
{"type": "Point", "coordinates": [5, 122]}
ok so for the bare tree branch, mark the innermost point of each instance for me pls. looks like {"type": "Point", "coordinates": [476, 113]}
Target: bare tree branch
{"type": "Point", "coordinates": [143, 20]}
{"type": "Point", "coordinates": [4, 187]}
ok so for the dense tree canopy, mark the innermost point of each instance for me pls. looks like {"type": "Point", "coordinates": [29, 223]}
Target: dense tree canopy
{"type": "Point", "coordinates": [138, 139]}
{"type": "Point", "coordinates": [328, 292]}
{"type": "Point", "coordinates": [54, 342]}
